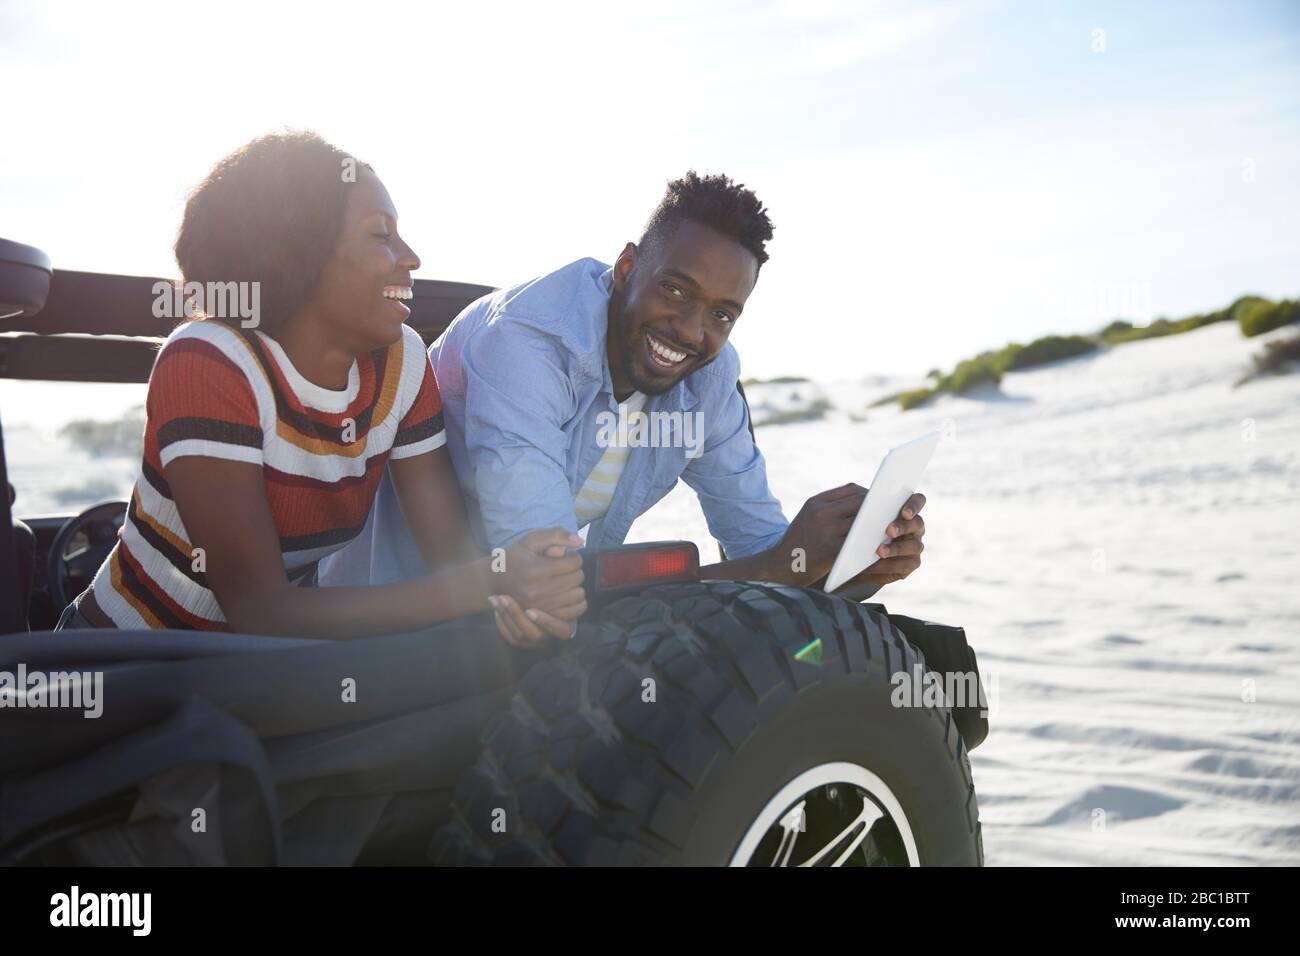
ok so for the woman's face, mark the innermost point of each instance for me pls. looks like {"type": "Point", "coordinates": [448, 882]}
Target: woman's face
{"type": "Point", "coordinates": [365, 288]}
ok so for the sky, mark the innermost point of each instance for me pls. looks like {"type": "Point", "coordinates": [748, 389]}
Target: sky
{"type": "Point", "coordinates": [943, 178]}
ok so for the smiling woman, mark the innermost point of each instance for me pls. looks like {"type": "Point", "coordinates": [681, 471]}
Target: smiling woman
{"type": "Point", "coordinates": [266, 435]}
{"type": "Point", "coordinates": [270, 213]}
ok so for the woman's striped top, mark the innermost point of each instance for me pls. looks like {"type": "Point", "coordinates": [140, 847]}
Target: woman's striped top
{"type": "Point", "coordinates": [220, 392]}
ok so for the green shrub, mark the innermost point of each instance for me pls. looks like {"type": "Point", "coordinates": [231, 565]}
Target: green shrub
{"type": "Point", "coordinates": [1120, 331]}
{"type": "Point", "coordinates": [987, 368]}
{"type": "Point", "coordinates": [1155, 330]}
{"type": "Point", "coordinates": [779, 380]}
{"type": "Point", "coordinates": [1115, 331]}
{"type": "Point", "coordinates": [916, 397]}
{"type": "Point", "coordinates": [1051, 348]}
{"type": "Point", "coordinates": [1260, 316]}
{"type": "Point", "coordinates": [1278, 354]}
{"type": "Point", "coordinates": [983, 369]}
{"type": "Point", "coordinates": [1250, 311]}
{"type": "Point", "coordinates": [1254, 314]}
{"type": "Point", "coordinates": [811, 412]}
{"type": "Point", "coordinates": [1244, 304]}
{"type": "Point", "coordinates": [1191, 322]}
{"type": "Point", "coordinates": [119, 437]}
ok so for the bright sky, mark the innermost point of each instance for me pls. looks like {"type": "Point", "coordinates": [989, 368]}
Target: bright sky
{"type": "Point", "coordinates": [943, 177]}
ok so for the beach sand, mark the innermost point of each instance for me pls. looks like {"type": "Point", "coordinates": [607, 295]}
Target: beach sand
{"type": "Point", "coordinates": [1118, 534]}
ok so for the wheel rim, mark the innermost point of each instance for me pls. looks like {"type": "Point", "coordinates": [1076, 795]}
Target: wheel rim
{"type": "Point", "coordinates": [836, 814]}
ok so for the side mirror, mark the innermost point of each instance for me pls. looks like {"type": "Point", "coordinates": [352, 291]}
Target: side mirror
{"type": "Point", "coordinates": [24, 279]}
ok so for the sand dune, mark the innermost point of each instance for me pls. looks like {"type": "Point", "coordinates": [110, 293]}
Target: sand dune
{"type": "Point", "coordinates": [1118, 534]}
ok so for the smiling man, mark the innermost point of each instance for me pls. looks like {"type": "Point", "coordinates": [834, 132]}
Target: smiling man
{"type": "Point", "coordinates": [531, 376]}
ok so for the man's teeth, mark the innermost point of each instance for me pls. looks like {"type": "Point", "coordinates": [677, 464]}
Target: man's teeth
{"type": "Point", "coordinates": [399, 292]}
{"type": "Point", "coordinates": [664, 352]}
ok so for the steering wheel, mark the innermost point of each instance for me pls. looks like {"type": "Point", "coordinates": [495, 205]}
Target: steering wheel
{"type": "Point", "coordinates": [99, 526]}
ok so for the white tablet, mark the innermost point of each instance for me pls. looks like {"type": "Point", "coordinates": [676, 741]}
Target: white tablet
{"type": "Point", "coordinates": [896, 480]}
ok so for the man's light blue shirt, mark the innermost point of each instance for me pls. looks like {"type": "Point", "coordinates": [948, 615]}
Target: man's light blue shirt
{"type": "Point", "coordinates": [526, 391]}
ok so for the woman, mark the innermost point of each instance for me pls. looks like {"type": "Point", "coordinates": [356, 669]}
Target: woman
{"type": "Point", "coordinates": [266, 437]}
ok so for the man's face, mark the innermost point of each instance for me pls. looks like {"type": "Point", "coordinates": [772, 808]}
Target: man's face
{"type": "Point", "coordinates": [673, 307]}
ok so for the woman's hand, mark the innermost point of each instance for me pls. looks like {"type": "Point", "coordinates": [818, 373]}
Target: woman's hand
{"type": "Point", "coordinates": [527, 629]}
{"type": "Point", "coordinates": [538, 574]}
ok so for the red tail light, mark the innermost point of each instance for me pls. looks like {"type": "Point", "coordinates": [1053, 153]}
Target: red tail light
{"type": "Point", "coordinates": [644, 564]}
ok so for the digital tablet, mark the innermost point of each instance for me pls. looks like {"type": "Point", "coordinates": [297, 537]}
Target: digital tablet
{"type": "Point", "coordinates": [896, 480]}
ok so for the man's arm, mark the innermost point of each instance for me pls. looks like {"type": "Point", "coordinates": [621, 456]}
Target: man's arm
{"type": "Point", "coordinates": [731, 480]}
{"type": "Point", "coordinates": [517, 398]}
{"type": "Point", "coordinates": [808, 549]}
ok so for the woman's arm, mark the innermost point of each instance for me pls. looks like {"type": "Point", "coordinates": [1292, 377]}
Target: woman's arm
{"type": "Point", "coordinates": [429, 493]}
{"type": "Point", "coordinates": [433, 507]}
{"type": "Point", "coordinates": [223, 507]}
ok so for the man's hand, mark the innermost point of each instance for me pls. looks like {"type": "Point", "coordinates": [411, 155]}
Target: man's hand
{"type": "Point", "coordinates": [539, 574]}
{"type": "Point", "coordinates": [547, 580]}
{"type": "Point", "coordinates": [819, 530]}
{"type": "Point", "coordinates": [902, 555]}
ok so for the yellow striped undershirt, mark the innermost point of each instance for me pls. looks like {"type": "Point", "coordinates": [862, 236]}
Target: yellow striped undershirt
{"type": "Point", "coordinates": [597, 492]}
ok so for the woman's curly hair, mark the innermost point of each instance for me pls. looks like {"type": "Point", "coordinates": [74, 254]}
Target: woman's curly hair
{"type": "Point", "coordinates": [270, 213]}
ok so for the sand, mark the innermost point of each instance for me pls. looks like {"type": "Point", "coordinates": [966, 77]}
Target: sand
{"type": "Point", "coordinates": [1118, 535]}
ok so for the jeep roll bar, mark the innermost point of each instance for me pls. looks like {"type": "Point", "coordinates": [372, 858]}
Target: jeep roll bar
{"type": "Point", "coordinates": [25, 274]}
{"type": "Point", "coordinates": [97, 327]}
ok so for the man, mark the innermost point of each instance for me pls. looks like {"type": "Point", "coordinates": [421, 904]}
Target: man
{"type": "Point", "coordinates": [542, 386]}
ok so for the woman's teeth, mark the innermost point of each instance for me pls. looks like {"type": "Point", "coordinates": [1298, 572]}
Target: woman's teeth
{"type": "Point", "coordinates": [662, 354]}
{"type": "Point", "coordinates": [399, 292]}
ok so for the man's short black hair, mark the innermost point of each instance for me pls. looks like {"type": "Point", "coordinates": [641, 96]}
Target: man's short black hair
{"type": "Point", "coordinates": [713, 201]}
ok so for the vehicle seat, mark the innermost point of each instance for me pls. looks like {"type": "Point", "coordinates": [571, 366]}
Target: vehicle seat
{"type": "Point", "coordinates": [25, 559]}
{"type": "Point", "coordinates": [25, 553]}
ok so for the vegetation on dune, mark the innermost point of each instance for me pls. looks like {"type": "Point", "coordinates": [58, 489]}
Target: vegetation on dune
{"type": "Point", "coordinates": [886, 399]}
{"type": "Point", "coordinates": [1120, 331]}
{"type": "Point", "coordinates": [815, 409]}
{"type": "Point", "coordinates": [968, 374]}
{"type": "Point", "coordinates": [121, 437]}
{"type": "Point", "coordinates": [1050, 348]}
{"type": "Point", "coordinates": [1254, 314]}
{"type": "Point", "coordinates": [1117, 333]}
{"type": "Point", "coordinates": [788, 405]}
{"type": "Point", "coordinates": [779, 380]}
{"type": "Point", "coordinates": [1260, 316]}
{"type": "Point", "coordinates": [987, 368]}
{"type": "Point", "coordinates": [1279, 356]}
{"type": "Point", "coordinates": [914, 398]}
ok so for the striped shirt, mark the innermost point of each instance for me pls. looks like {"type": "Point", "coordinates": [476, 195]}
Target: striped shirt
{"type": "Point", "coordinates": [593, 498]}
{"type": "Point", "coordinates": [219, 392]}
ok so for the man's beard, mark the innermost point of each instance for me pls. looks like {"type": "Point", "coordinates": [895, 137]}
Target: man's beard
{"type": "Point", "coordinates": [632, 342]}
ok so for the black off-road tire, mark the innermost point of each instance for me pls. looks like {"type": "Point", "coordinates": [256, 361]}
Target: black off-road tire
{"type": "Point", "coordinates": [583, 770]}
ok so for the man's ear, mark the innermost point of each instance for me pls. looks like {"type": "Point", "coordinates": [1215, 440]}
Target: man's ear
{"type": "Point", "coordinates": [623, 265]}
